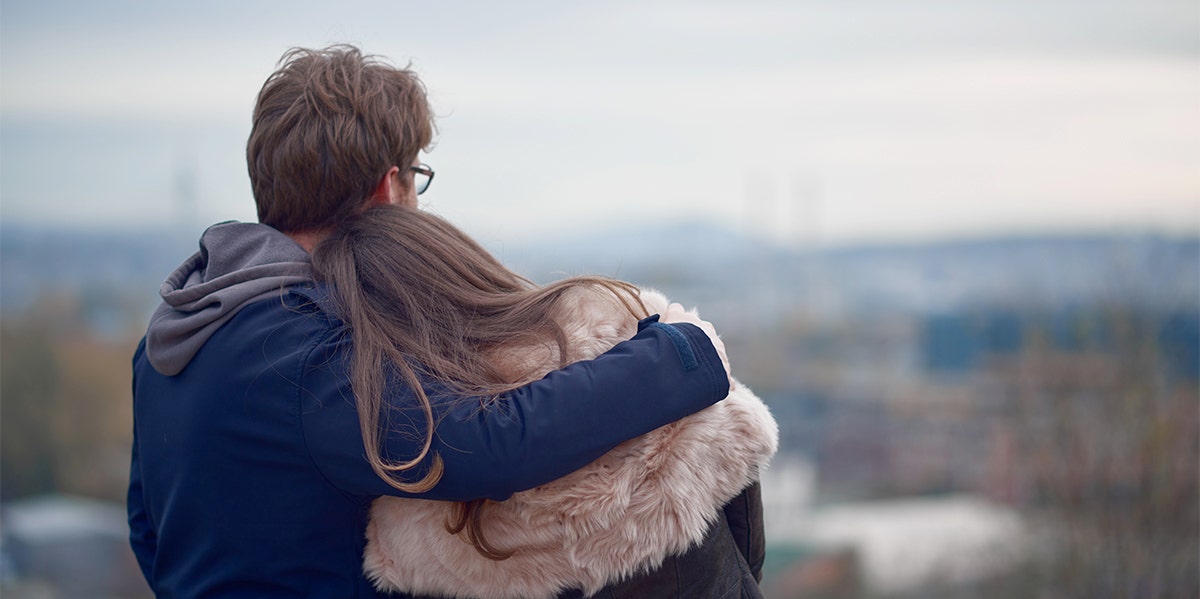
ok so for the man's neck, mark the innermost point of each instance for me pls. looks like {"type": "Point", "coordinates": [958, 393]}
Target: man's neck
{"type": "Point", "coordinates": [308, 239]}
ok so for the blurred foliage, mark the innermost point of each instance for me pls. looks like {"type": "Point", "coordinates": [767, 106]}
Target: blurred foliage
{"type": "Point", "coordinates": [1099, 447]}
{"type": "Point", "coordinates": [1086, 422]}
{"type": "Point", "coordinates": [66, 414]}
{"type": "Point", "coordinates": [29, 382]}
{"type": "Point", "coordinates": [1108, 448]}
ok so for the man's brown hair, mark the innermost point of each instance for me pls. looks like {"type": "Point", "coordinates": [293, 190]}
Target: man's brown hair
{"type": "Point", "coordinates": [328, 125]}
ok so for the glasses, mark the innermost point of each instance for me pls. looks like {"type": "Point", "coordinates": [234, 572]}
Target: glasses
{"type": "Point", "coordinates": [422, 178]}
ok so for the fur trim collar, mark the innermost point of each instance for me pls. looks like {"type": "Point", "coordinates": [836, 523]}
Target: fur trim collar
{"type": "Point", "coordinates": [623, 514]}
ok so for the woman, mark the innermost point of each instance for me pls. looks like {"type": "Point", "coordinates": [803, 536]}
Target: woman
{"type": "Point", "coordinates": [427, 302]}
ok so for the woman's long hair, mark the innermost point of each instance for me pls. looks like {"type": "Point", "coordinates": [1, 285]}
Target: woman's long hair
{"type": "Point", "coordinates": [425, 301]}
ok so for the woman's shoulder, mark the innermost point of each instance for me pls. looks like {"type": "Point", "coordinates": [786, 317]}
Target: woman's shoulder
{"type": "Point", "coordinates": [596, 318]}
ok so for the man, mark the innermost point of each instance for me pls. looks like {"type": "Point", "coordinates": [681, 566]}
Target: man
{"type": "Point", "coordinates": [248, 476]}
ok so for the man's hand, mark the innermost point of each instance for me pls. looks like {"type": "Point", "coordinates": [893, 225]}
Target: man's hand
{"type": "Point", "coordinates": [676, 313]}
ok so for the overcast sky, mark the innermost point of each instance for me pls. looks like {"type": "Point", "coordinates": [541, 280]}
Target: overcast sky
{"type": "Point", "coordinates": [810, 122]}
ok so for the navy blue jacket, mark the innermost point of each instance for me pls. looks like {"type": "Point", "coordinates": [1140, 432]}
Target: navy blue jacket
{"type": "Point", "coordinates": [249, 477]}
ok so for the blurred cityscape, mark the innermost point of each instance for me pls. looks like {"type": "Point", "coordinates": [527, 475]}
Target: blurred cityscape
{"type": "Point", "coordinates": [995, 417]}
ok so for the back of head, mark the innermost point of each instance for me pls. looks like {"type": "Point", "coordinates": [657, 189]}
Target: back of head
{"type": "Point", "coordinates": [413, 287]}
{"type": "Point", "coordinates": [327, 126]}
{"type": "Point", "coordinates": [421, 295]}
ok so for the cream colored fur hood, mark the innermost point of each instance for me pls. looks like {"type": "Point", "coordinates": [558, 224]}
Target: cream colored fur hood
{"type": "Point", "coordinates": [648, 498]}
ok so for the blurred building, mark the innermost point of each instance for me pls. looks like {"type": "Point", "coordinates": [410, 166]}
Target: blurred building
{"type": "Point", "coordinates": [62, 547]}
{"type": "Point", "coordinates": [881, 547]}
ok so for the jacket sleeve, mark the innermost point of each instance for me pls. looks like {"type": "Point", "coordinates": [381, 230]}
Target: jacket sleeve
{"type": "Point", "coordinates": [531, 435]}
{"type": "Point", "coordinates": [142, 537]}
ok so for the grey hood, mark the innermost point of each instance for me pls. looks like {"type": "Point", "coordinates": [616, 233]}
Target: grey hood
{"type": "Point", "coordinates": [238, 264]}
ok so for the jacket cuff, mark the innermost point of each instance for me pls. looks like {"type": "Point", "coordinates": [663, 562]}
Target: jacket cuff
{"type": "Point", "coordinates": [695, 351]}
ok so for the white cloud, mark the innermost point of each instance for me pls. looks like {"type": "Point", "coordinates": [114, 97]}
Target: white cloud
{"type": "Point", "coordinates": [902, 119]}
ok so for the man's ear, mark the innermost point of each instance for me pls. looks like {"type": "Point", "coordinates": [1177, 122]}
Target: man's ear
{"type": "Point", "coordinates": [388, 190]}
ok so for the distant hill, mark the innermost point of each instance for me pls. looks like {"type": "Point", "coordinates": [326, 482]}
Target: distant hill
{"type": "Point", "coordinates": [1146, 270]}
{"type": "Point", "coordinates": [34, 260]}
{"type": "Point", "coordinates": [702, 264]}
